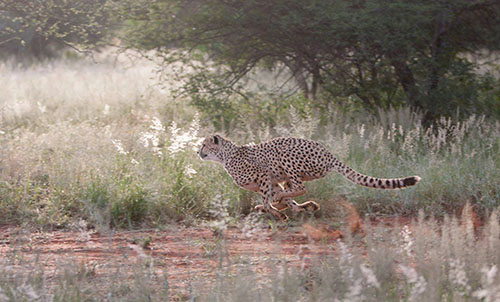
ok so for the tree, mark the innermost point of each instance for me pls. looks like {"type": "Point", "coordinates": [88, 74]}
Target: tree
{"type": "Point", "coordinates": [37, 28]}
{"type": "Point", "coordinates": [378, 52]}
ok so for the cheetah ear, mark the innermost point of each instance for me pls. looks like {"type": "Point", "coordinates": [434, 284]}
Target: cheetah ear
{"type": "Point", "coordinates": [216, 139]}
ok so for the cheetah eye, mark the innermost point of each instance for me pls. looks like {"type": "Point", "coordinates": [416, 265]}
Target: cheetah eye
{"type": "Point", "coordinates": [216, 140]}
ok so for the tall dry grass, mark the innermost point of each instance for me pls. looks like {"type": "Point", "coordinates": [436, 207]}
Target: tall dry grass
{"type": "Point", "coordinates": [107, 144]}
{"type": "Point", "coordinates": [85, 145]}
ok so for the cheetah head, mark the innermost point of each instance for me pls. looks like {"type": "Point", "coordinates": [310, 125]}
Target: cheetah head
{"type": "Point", "coordinates": [214, 148]}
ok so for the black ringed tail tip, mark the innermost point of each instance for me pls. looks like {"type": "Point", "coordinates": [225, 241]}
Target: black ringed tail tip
{"type": "Point", "coordinates": [411, 181]}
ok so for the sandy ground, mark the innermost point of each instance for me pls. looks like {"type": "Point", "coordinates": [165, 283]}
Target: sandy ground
{"type": "Point", "coordinates": [183, 255]}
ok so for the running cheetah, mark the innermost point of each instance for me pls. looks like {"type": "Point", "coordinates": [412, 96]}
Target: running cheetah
{"type": "Point", "coordinates": [278, 168]}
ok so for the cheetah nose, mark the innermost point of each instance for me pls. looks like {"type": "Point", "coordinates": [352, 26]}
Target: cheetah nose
{"type": "Point", "coordinates": [202, 155]}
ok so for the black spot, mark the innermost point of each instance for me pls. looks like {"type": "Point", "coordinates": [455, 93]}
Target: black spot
{"type": "Point", "coordinates": [388, 182]}
{"type": "Point", "coordinates": [379, 182]}
{"type": "Point", "coordinates": [371, 180]}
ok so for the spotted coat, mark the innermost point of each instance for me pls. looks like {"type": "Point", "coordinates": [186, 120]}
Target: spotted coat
{"type": "Point", "coordinates": [278, 168]}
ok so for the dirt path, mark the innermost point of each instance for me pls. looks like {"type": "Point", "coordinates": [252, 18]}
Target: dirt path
{"type": "Point", "coordinates": [183, 253]}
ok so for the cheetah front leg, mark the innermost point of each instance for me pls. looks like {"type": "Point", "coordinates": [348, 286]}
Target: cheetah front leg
{"type": "Point", "coordinates": [280, 205]}
{"type": "Point", "coordinates": [266, 190]}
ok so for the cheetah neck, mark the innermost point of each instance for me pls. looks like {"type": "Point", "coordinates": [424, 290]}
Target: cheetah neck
{"type": "Point", "coordinates": [230, 152]}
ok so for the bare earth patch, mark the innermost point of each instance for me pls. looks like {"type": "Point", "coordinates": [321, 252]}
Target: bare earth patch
{"type": "Point", "coordinates": [180, 262]}
{"type": "Point", "coordinates": [177, 260]}
{"type": "Point", "coordinates": [183, 255]}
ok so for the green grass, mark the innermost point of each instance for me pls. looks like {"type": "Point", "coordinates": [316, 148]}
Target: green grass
{"type": "Point", "coordinates": [103, 146]}
{"type": "Point", "coordinates": [108, 145]}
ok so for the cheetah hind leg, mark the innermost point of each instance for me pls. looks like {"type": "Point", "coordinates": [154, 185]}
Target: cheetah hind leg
{"type": "Point", "coordinates": [309, 206]}
{"type": "Point", "coordinates": [298, 207]}
{"type": "Point", "coordinates": [280, 206]}
{"type": "Point", "coordinates": [273, 211]}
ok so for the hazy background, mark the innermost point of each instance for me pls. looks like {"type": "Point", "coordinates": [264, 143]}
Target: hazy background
{"type": "Point", "coordinates": [104, 103]}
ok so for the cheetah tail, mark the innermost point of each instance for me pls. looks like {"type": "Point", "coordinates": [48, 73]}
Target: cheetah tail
{"type": "Point", "coordinates": [374, 182]}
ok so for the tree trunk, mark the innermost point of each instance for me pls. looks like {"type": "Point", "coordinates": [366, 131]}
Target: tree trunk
{"type": "Point", "coordinates": [298, 74]}
{"type": "Point", "coordinates": [407, 80]}
{"type": "Point", "coordinates": [316, 82]}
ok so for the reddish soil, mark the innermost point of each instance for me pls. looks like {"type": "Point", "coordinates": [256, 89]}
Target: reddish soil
{"type": "Point", "coordinates": [184, 253]}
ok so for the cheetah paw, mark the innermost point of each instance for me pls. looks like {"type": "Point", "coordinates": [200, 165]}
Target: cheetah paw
{"type": "Point", "coordinates": [310, 206]}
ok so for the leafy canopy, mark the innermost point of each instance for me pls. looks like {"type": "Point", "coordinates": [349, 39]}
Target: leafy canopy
{"type": "Point", "coordinates": [374, 53]}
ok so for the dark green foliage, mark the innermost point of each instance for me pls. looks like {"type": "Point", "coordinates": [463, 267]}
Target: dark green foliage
{"type": "Point", "coordinates": [364, 54]}
{"type": "Point", "coordinates": [130, 208]}
{"type": "Point", "coordinates": [40, 28]}
{"type": "Point", "coordinates": [378, 53]}
{"type": "Point", "coordinates": [96, 199]}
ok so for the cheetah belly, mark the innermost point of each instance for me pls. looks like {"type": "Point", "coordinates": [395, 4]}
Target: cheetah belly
{"type": "Point", "coordinates": [251, 187]}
